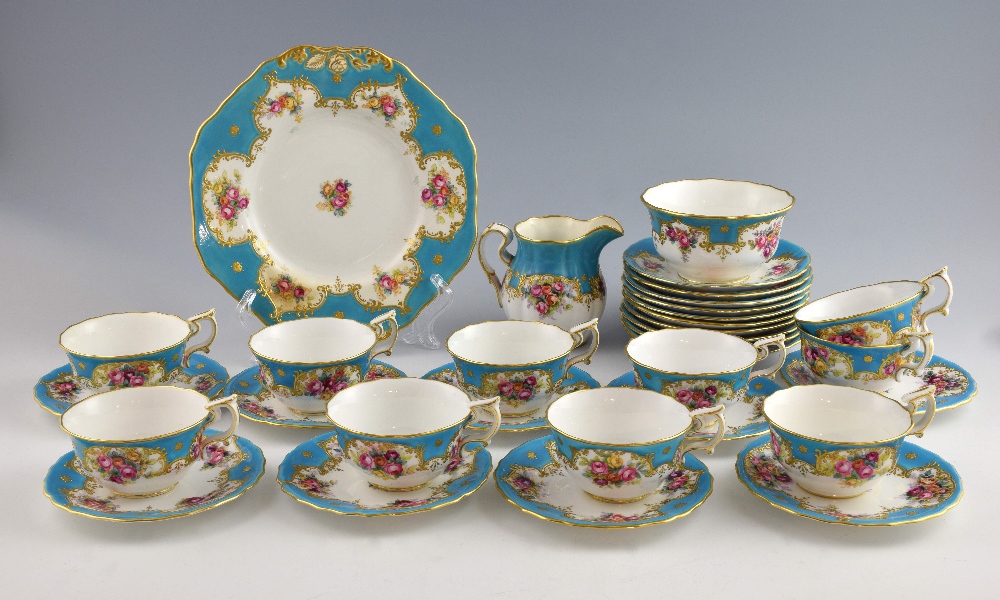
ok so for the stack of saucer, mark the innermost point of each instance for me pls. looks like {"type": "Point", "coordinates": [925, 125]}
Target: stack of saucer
{"type": "Point", "coordinates": [713, 264]}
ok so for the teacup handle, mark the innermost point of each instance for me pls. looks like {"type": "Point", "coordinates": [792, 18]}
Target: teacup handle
{"type": "Point", "coordinates": [581, 354]}
{"type": "Point", "coordinates": [385, 339]}
{"type": "Point", "coordinates": [195, 324]}
{"type": "Point", "coordinates": [917, 428]}
{"type": "Point", "coordinates": [216, 406]}
{"type": "Point", "coordinates": [763, 348]}
{"type": "Point", "coordinates": [926, 341]}
{"type": "Point", "coordinates": [941, 308]}
{"type": "Point", "coordinates": [705, 417]}
{"type": "Point", "coordinates": [505, 255]}
{"type": "Point", "coordinates": [491, 405]}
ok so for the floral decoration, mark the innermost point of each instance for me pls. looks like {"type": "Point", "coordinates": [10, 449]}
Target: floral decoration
{"type": "Point", "coordinates": [383, 105]}
{"type": "Point", "coordinates": [439, 195]}
{"type": "Point", "coordinates": [390, 283]}
{"type": "Point", "coordinates": [326, 384]}
{"type": "Point", "coordinates": [63, 387]}
{"type": "Point", "coordinates": [385, 461]}
{"type": "Point", "coordinates": [286, 288]}
{"type": "Point", "coordinates": [548, 295]}
{"type": "Point", "coordinates": [228, 198]}
{"type": "Point", "coordinates": [698, 393]}
{"type": "Point", "coordinates": [336, 196]}
{"type": "Point", "coordinates": [684, 239]}
{"type": "Point", "coordinates": [765, 240]}
{"type": "Point", "coordinates": [930, 487]}
{"type": "Point", "coordinates": [612, 468]}
{"type": "Point", "coordinates": [946, 381]}
{"type": "Point", "coordinates": [288, 103]}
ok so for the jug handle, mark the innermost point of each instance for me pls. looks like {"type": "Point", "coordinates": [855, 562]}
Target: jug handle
{"type": "Point", "coordinates": [505, 255]}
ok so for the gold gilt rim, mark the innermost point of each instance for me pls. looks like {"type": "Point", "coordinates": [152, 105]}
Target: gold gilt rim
{"type": "Point", "coordinates": [124, 356]}
{"type": "Point", "coordinates": [730, 218]}
{"type": "Point", "coordinates": [459, 423]}
{"type": "Point", "coordinates": [806, 334]}
{"type": "Point", "coordinates": [776, 325]}
{"type": "Point", "coordinates": [282, 484]}
{"type": "Point", "coordinates": [799, 296]}
{"type": "Point", "coordinates": [722, 303]}
{"type": "Point", "coordinates": [764, 317]}
{"type": "Point", "coordinates": [680, 433]}
{"type": "Point", "coordinates": [763, 289]}
{"type": "Point", "coordinates": [790, 332]}
{"type": "Point", "coordinates": [320, 362]}
{"type": "Point", "coordinates": [263, 467]}
{"type": "Point", "coordinates": [342, 50]}
{"type": "Point", "coordinates": [619, 230]}
{"type": "Point", "coordinates": [711, 486]}
{"type": "Point", "coordinates": [828, 522]}
{"type": "Point", "coordinates": [867, 312]}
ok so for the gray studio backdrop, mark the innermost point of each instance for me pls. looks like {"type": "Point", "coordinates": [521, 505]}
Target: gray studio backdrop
{"type": "Point", "coordinates": [880, 118]}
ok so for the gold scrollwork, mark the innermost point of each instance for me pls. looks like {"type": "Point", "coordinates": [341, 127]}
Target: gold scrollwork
{"type": "Point", "coordinates": [335, 58]}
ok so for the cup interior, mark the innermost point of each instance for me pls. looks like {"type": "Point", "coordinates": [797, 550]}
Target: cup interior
{"type": "Point", "coordinates": [837, 414]}
{"type": "Point", "coordinates": [717, 198]}
{"type": "Point", "coordinates": [398, 407]}
{"type": "Point", "coordinates": [509, 343]}
{"type": "Point", "coordinates": [135, 413]}
{"type": "Point", "coordinates": [124, 334]}
{"type": "Point", "coordinates": [618, 416]}
{"type": "Point", "coordinates": [691, 351]}
{"type": "Point", "coordinates": [561, 229]}
{"type": "Point", "coordinates": [316, 340]}
{"type": "Point", "coordinates": [858, 301]}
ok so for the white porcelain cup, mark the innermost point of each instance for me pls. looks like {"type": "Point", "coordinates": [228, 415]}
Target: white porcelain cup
{"type": "Point", "coordinates": [140, 442]}
{"type": "Point", "coordinates": [402, 433]}
{"type": "Point", "coordinates": [620, 444]}
{"type": "Point", "coordinates": [522, 362]}
{"type": "Point", "coordinates": [306, 362]}
{"type": "Point", "coordinates": [837, 442]}
{"type": "Point", "coordinates": [133, 349]}
{"type": "Point", "coordinates": [701, 368]}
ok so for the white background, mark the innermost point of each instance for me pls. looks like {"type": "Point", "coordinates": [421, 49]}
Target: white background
{"type": "Point", "coordinates": [880, 118]}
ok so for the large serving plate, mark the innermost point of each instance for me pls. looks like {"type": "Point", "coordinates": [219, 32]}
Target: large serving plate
{"type": "Point", "coordinates": [333, 182]}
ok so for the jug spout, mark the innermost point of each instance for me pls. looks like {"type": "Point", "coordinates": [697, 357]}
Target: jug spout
{"type": "Point", "coordinates": [604, 230]}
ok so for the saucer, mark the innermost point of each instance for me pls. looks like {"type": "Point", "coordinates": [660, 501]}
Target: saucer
{"type": "Point", "coordinates": [743, 419]}
{"type": "Point", "coordinates": [312, 474]}
{"type": "Point", "coordinates": [953, 384]}
{"type": "Point", "coordinates": [532, 480]}
{"type": "Point", "coordinates": [921, 487]}
{"type": "Point", "coordinates": [204, 488]}
{"type": "Point", "coordinates": [57, 390]}
{"type": "Point", "coordinates": [789, 262]}
{"type": "Point", "coordinates": [576, 379]}
{"type": "Point", "coordinates": [257, 404]}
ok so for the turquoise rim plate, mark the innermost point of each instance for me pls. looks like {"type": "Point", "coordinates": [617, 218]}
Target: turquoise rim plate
{"type": "Point", "coordinates": [256, 404]}
{"type": "Point", "coordinates": [201, 371]}
{"type": "Point", "coordinates": [239, 248]}
{"type": "Point", "coordinates": [576, 379]}
{"type": "Point", "coordinates": [204, 488]}
{"type": "Point", "coordinates": [531, 480]}
{"type": "Point", "coordinates": [312, 474]}
{"type": "Point", "coordinates": [921, 487]}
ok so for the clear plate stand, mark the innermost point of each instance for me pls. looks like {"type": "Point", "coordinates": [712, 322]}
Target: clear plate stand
{"type": "Point", "coordinates": [420, 332]}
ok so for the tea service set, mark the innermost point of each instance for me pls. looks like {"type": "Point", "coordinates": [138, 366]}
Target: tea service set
{"type": "Point", "coordinates": [714, 301]}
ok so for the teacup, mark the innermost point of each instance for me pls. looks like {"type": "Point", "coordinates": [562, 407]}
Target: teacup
{"type": "Point", "coordinates": [139, 442]}
{"type": "Point", "coordinates": [698, 367]}
{"type": "Point", "coordinates": [522, 362]}
{"type": "Point", "coordinates": [716, 231]}
{"type": "Point", "coordinates": [620, 444]}
{"type": "Point", "coordinates": [304, 363]}
{"type": "Point", "coordinates": [837, 442]}
{"type": "Point", "coordinates": [874, 315]}
{"type": "Point", "coordinates": [873, 368]}
{"type": "Point", "coordinates": [132, 349]}
{"type": "Point", "coordinates": [402, 433]}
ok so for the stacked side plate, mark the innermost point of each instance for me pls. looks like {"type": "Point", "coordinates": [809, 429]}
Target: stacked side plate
{"type": "Point", "coordinates": [655, 297]}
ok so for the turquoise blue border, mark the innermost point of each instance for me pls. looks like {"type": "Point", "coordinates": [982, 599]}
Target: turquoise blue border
{"type": "Point", "coordinates": [214, 136]}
